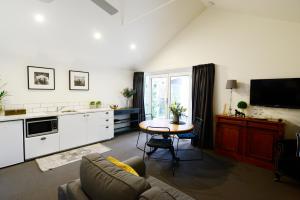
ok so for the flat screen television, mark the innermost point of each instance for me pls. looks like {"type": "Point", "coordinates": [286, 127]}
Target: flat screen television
{"type": "Point", "coordinates": [279, 93]}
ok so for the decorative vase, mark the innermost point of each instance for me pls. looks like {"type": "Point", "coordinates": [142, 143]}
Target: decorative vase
{"type": "Point", "coordinates": [175, 119]}
{"type": "Point", "coordinates": [1, 107]}
{"type": "Point", "coordinates": [128, 103]}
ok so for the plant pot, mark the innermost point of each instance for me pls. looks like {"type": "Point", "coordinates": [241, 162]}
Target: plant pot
{"type": "Point", "coordinates": [175, 119]}
{"type": "Point", "coordinates": [1, 108]}
{"type": "Point", "coordinates": [128, 103]}
{"type": "Point", "coordinates": [92, 106]}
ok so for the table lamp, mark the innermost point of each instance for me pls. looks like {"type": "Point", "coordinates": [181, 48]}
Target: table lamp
{"type": "Point", "coordinates": [231, 84]}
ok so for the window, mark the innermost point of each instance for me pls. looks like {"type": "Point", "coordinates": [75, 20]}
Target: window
{"type": "Point", "coordinates": [164, 89]}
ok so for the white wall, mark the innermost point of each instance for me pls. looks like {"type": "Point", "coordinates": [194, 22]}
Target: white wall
{"type": "Point", "coordinates": [105, 83]}
{"type": "Point", "coordinates": [243, 47]}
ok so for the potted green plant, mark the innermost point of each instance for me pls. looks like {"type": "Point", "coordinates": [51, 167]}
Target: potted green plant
{"type": "Point", "coordinates": [177, 110]}
{"type": "Point", "coordinates": [128, 93]}
{"type": "Point", "coordinates": [92, 104]}
{"type": "Point", "coordinates": [98, 104]}
{"type": "Point", "coordinates": [3, 93]}
{"type": "Point", "coordinates": [242, 105]}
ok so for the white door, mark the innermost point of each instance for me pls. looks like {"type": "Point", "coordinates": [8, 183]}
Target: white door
{"type": "Point", "coordinates": [159, 96]}
{"type": "Point", "coordinates": [165, 89]}
{"type": "Point", "coordinates": [11, 143]}
{"type": "Point", "coordinates": [72, 131]}
{"type": "Point", "coordinates": [99, 126]}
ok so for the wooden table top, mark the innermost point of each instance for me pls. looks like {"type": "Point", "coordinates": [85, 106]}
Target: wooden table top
{"type": "Point", "coordinates": [174, 128]}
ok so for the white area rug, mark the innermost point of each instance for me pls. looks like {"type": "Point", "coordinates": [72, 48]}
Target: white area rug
{"type": "Point", "coordinates": [60, 159]}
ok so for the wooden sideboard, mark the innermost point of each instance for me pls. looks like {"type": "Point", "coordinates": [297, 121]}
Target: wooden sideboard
{"type": "Point", "coordinates": [248, 139]}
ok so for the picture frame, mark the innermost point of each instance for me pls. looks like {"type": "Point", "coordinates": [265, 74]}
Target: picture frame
{"type": "Point", "coordinates": [40, 78]}
{"type": "Point", "coordinates": [79, 80]}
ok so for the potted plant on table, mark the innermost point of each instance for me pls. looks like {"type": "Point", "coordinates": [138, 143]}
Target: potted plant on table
{"type": "Point", "coordinates": [128, 93]}
{"type": "Point", "coordinates": [242, 105]}
{"type": "Point", "coordinates": [92, 104]}
{"type": "Point", "coordinates": [177, 110]}
{"type": "Point", "coordinates": [98, 104]}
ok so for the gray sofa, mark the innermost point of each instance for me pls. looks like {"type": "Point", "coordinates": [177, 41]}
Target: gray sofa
{"type": "Point", "coordinates": [102, 180]}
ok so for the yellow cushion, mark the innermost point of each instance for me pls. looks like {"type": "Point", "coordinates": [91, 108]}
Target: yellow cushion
{"type": "Point", "coordinates": [122, 165]}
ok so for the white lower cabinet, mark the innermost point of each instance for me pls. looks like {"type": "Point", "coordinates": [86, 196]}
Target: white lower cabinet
{"type": "Point", "coordinates": [72, 130]}
{"type": "Point", "coordinates": [99, 127]}
{"type": "Point", "coordinates": [81, 129]}
{"type": "Point", "coordinates": [11, 143]}
{"type": "Point", "coordinates": [41, 145]}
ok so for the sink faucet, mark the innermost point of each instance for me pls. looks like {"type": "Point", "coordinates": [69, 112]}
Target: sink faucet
{"type": "Point", "coordinates": [60, 108]}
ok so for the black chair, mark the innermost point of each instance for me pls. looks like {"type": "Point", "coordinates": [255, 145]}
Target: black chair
{"type": "Point", "coordinates": [194, 135]}
{"type": "Point", "coordinates": [159, 141]}
{"type": "Point", "coordinates": [288, 158]}
{"type": "Point", "coordinates": [147, 117]}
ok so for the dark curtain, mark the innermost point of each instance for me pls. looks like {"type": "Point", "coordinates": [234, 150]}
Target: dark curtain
{"type": "Point", "coordinates": [202, 98]}
{"type": "Point", "coordinates": [138, 98]}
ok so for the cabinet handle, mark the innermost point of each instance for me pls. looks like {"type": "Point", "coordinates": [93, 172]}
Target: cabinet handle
{"type": "Point", "coordinates": [107, 113]}
{"type": "Point", "coordinates": [107, 120]}
{"type": "Point", "coordinates": [107, 127]}
{"type": "Point", "coordinates": [43, 138]}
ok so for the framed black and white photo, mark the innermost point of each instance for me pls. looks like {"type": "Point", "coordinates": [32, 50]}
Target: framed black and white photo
{"type": "Point", "coordinates": [40, 78]}
{"type": "Point", "coordinates": [78, 80]}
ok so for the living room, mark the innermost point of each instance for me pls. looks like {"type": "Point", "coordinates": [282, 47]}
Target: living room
{"type": "Point", "coordinates": [111, 77]}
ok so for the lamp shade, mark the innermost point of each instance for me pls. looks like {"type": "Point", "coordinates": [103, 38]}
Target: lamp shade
{"type": "Point", "coordinates": [231, 84]}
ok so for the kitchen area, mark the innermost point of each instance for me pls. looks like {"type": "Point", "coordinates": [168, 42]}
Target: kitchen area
{"type": "Point", "coordinates": [28, 136]}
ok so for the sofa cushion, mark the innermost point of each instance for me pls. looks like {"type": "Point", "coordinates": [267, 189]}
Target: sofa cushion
{"type": "Point", "coordinates": [100, 179]}
{"type": "Point", "coordinates": [176, 194]}
{"type": "Point", "coordinates": [155, 193]}
{"type": "Point", "coordinates": [122, 165]}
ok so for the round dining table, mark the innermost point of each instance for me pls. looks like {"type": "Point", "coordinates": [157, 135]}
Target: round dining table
{"type": "Point", "coordinates": [165, 127]}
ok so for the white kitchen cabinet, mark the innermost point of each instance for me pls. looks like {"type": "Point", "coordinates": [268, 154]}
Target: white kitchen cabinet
{"type": "Point", "coordinates": [99, 127]}
{"type": "Point", "coordinates": [11, 143]}
{"type": "Point", "coordinates": [81, 129]}
{"type": "Point", "coordinates": [72, 130]}
{"type": "Point", "coordinates": [41, 145]}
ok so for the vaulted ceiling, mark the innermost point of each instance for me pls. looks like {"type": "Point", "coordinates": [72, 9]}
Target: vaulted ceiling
{"type": "Point", "coordinates": [63, 31]}
{"type": "Point", "coordinates": [288, 10]}
{"type": "Point", "coordinates": [79, 33]}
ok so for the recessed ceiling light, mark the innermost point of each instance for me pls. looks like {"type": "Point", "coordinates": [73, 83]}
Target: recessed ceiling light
{"type": "Point", "coordinates": [39, 18]}
{"type": "Point", "coordinates": [132, 46]}
{"type": "Point", "coordinates": [97, 35]}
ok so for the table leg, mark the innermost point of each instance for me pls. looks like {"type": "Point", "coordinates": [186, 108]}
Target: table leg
{"type": "Point", "coordinates": [172, 150]}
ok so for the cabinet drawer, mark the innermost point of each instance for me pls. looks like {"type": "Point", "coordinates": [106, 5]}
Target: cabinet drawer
{"type": "Point", "coordinates": [103, 114]}
{"type": "Point", "coordinates": [41, 145]}
{"type": "Point", "coordinates": [106, 121]}
{"type": "Point", "coordinates": [232, 121]}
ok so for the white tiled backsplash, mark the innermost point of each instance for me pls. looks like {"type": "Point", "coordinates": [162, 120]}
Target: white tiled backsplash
{"type": "Point", "coordinates": [48, 107]}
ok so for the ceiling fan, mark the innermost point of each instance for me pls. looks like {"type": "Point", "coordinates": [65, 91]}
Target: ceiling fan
{"type": "Point", "coordinates": [107, 7]}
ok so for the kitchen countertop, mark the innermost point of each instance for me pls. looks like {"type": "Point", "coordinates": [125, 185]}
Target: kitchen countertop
{"type": "Point", "coordinates": [50, 114]}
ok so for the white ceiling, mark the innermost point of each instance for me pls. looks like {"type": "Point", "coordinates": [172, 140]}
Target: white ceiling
{"type": "Point", "coordinates": [288, 10]}
{"type": "Point", "coordinates": [66, 36]}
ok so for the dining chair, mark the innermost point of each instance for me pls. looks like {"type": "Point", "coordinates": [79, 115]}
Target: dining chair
{"type": "Point", "coordinates": [156, 142]}
{"type": "Point", "coordinates": [147, 117]}
{"type": "Point", "coordinates": [194, 135]}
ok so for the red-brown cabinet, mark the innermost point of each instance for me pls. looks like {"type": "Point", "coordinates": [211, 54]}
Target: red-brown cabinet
{"type": "Point", "coordinates": [248, 139]}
